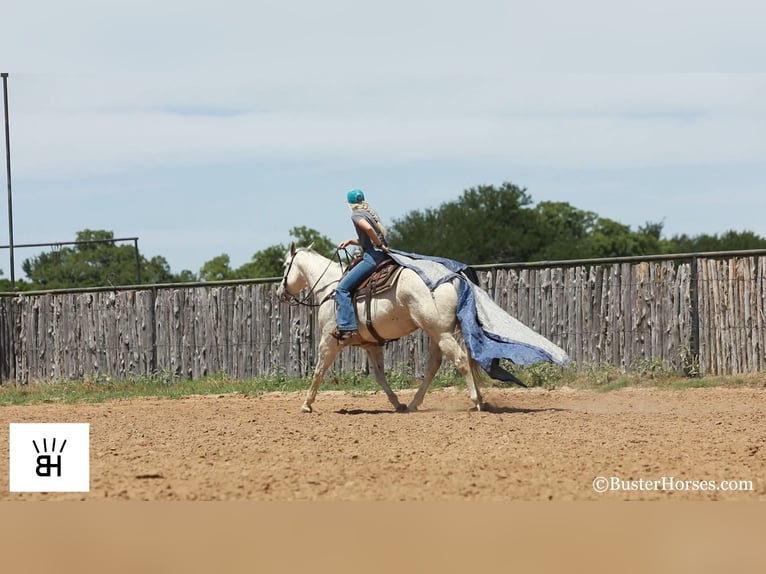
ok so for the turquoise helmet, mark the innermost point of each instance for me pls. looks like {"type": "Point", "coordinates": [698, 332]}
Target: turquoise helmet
{"type": "Point", "coordinates": [355, 196]}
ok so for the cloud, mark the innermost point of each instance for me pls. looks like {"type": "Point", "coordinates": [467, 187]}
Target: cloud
{"type": "Point", "coordinates": [337, 39]}
{"type": "Point", "coordinates": [94, 125]}
{"type": "Point", "coordinates": [101, 88]}
{"type": "Point", "coordinates": [406, 96]}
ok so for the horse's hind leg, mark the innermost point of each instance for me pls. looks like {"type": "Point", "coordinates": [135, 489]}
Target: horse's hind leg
{"type": "Point", "coordinates": [376, 360]}
{"type": "Point", "coordinates": [434, 362]}
{"type": "Point", "coordinates": [327, 352]}
{"type": "Point", "coordinates": [458, 355]}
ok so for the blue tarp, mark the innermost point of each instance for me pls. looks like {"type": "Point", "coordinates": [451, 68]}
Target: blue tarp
{"type": "Point", "coordinates": [489, 331]}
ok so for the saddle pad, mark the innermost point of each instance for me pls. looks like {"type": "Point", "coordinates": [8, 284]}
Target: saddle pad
{"type": "Point", "coordinates": [382, 279]}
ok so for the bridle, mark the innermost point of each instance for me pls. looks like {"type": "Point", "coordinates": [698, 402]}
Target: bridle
{"type": "Point", "coordinates": [294, 300]}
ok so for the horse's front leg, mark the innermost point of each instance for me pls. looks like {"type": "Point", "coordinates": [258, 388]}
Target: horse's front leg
{"type": "Point", "coordinates": [327, 352]}
{"type": "Point", "coordinates": [376, 360]}
{"type": "Point", "coordinates": [434, 363]}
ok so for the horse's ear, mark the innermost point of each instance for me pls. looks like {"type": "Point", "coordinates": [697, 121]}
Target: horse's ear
{"type": "Point", "coordinates": [311, 246]}
{"type": "Point", "coordinates": [292, 248]}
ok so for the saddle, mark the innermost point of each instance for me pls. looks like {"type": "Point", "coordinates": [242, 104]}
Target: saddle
{"type": "Point", "coordinates": [381, 280]}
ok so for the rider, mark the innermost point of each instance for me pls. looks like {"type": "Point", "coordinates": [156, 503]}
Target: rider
{"type": "Point", "coordinates": [371, 238]}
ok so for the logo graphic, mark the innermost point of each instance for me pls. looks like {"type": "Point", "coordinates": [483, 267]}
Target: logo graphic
{"type": "Point", "coordinates": [44, 463]}
{"type": "Point", "coordinates": [49, 457]}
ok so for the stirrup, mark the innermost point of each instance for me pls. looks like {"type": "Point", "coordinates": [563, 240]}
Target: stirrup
{"type": "Point", "coordinates": [342, 335]}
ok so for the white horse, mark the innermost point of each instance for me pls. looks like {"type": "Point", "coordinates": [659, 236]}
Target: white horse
{"type": "Point", "coordinates": [409, 306]}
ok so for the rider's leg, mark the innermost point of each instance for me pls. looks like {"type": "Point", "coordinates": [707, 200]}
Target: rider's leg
{"type": "Point", "coordinates": [343, 292]}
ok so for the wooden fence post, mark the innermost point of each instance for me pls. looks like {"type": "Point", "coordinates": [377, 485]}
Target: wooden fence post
{"type": "Point", "coordinates": [694, 341]}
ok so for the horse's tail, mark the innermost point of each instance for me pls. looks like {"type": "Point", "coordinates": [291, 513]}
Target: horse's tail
{"type": "Point", "coordinates": [476, 369]}
{"type": "Point", "coordinates": [496, 371]}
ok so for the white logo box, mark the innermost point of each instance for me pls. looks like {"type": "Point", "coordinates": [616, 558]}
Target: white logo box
{"type": "Point", "coordinates": [49, 457]}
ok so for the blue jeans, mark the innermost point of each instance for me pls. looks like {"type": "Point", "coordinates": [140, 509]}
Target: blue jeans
{"type": "Point", "coordinates": [349, 283]}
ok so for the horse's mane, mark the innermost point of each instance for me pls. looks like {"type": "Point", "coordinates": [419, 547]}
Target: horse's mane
{"type": "Point", "coordinates": [310, 249]}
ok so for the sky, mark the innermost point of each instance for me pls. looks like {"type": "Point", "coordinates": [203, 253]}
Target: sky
{"type": "Point", "coordinates": [209, 128]}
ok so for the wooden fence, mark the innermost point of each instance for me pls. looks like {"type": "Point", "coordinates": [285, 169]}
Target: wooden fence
{"type": "Point", "coordinates": [701, 313]}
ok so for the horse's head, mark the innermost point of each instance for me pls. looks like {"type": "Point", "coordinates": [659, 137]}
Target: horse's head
{"type": "Point", "coordinates": [293, 278]}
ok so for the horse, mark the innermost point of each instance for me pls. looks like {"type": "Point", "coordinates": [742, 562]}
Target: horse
{"type": "Point", "coordinates": [410, 305]}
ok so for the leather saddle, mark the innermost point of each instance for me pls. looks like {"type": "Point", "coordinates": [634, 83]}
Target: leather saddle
{"type": "Point", "coordinates": [381, 280]}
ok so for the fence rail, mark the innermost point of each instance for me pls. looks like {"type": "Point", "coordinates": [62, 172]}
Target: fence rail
{"type": "Point", "coordinates": [700, 312]}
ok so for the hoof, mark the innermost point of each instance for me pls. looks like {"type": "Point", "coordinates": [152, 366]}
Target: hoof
{"type": "Point", "coordinates": [402, 409]}
{"type": "Point", "coordinates": [412, 408]}
{"type": "Point", "coordinates": [306, 409]}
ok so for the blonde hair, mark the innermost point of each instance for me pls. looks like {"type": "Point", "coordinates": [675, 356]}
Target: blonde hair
{"type": "Point", "coordinates": [364, 205]}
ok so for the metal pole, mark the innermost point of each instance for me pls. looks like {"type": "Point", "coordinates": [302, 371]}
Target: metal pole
{"type": "Point", "coordinates": [10, 195]}
{"type": "Point", "coordinates": [138, 262]}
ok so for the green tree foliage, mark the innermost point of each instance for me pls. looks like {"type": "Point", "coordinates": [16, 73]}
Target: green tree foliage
{"type": "Point", "coordinates": [490, 224]}
{"type": "Point", "coordinates": [611, 239]}
{"type": "Point", "coordinates": [185, 276]}
{"type": "Point", "coordinates": [217, 269]}
{"type": "Point", "coordinates": [562, 231]}
{"type": "Point", "coordinates": [93, 263]}
{"type": "Point", "coordinates": [268, 261]}
{"type": "Point", "coordinates": [5, 284]}
{"type": "Point", "coordinates": [305, 236]}
{"type": "Point", "coordinates": [729, 241]}
{"type": "Point", "coordinates": [264, 263]}
{"type": "Point", "coordinates": [485, 225]}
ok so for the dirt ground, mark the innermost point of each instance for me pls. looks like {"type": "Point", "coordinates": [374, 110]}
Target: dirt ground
{"type": "Point", "coordinates": [647, 444]}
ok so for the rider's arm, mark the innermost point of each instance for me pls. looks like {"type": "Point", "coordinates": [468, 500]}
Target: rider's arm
{"type": "Point", "coordinates": [344, 244]}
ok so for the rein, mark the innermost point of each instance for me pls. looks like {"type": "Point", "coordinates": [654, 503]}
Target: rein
{"type": "Point", "coordinates": [294, 300]}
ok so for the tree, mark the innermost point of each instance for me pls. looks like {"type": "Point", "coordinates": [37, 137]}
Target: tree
{"type": "Point", "coordinates": [499, 225]}
{"type": "Point", "coordinates": [185, 276]}
{"type": "Point", "coordinates": [729, 241]}
{"type": "Point", "coordinates": [563, 231]}
{"type": "Point", "coordinates": [5, 284]}
{"type": "Point", "coordinates": [217, 269]}
{"type": "Point", "coordinates": [94, 263]}
{"type": "Point", "coordinates": [305, 236]}
{"type": "Point", "coordinates": [266, 262]}
{"type": "Point", "coordinates": [485, 225]}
